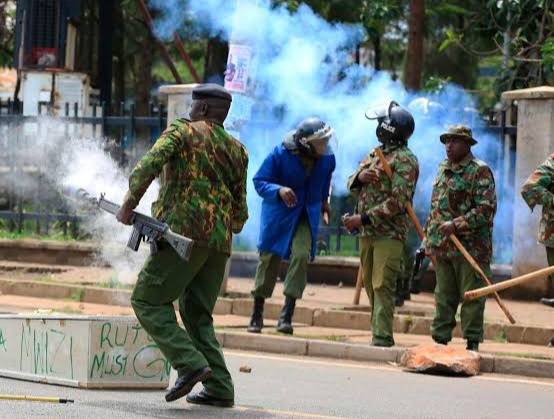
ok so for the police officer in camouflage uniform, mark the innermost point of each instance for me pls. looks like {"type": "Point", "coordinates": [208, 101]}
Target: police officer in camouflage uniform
{"type": "Point", "coordinates": [463, 202]}
{"type": "Point", "coordinates": [202, 174]}
{"type": "Point", "coordinates": [381, 214]}
{"type": "Point", "coordinates": [539, 190]}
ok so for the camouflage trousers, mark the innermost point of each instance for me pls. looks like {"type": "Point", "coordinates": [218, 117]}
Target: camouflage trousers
{"type": "Point", "coordinates": [297, 273]}
{"type": "Point", "coordinates": [454, 278]}
{"type": "Point", "coordinates": [165, 278]}
{"type": "Point", "coordinates": [381, 261]}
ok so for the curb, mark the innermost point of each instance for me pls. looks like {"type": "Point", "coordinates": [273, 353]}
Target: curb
{"type": "Point", "coordinates": [279, 344]}
{"type": "Point", "coordinates": [333, 318]}
{"type": "Point", "coordinates": [357, 352]}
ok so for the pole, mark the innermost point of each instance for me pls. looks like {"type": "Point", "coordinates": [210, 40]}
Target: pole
{"type": "Point", "coordinates": [35, 398]}
{"type": "Point", "coordinates": [185, 57]}
{"type": "Point", "coordinates": [480, 292]}
{"type": "Point", "coordinates": [477, 268]}
{"type": "Point", "coordinates": [161, 46]}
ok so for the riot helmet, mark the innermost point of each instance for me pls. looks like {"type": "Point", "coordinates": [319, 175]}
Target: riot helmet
{"type": "Point", "coordinates": [312, 137]}
{"type": "Point", "coordinates": [395, 124]}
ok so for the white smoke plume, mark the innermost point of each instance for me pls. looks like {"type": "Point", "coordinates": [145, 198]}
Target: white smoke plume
{"type": "Point", "coordinates": [304, 67]}
{"type": "Point", "coordinates": [79, 160]}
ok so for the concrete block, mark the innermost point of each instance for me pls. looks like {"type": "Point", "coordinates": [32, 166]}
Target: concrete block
{"type": "Point", "coordinates": [243, 306]}
{"type": "Point", "coordinates": [99, 295]}
{"type": "Point", "coordinates": [537, 335]}
{"type": "Point", "coordinates": [525, 367]}
{"type": "Point", "coordinates": [342, 319]}
{"type": "Point", "coordinates": [494, 331]}
{"type": "Point", "coordinates": [373, 353]}
{"type": "Point", "coordinates": [81, 351]}
{"type": "Point", "coordinates": [402, 324]}
{"type": "Point", "coordinates": [420, 326]}
{"type": "Point", "coordinates": [514, 333]}
{"type": "Point", "coordinates": [487, 363]}
{"type": "Point", "coordinates": [356, 352]}
{"type": "Point", "coordinates": [265, 343]}
{"type": "Point", "coordinates": [223, 306]}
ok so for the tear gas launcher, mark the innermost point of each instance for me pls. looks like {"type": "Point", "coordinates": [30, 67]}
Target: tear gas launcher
{"type": "Point", "coordinates": [144, 227]}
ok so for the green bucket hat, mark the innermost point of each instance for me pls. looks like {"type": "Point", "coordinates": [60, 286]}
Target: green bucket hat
{"type": "Point", "coordinates": [459, 131]}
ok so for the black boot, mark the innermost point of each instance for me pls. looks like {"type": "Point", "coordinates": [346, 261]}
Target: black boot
{"type": "Point", "coordinates": [548, 301]}
{"type": "Point", "coordinates": [472, 345]}
{"type": "Point", "coordinates": [185, 382]}
{"type": "Point", "coordinates": [284, 325]}
{"type": "Point", "coordinates": [257, 319]}
{"type": "Point", "coordinates": [551, 343]}
{"type": "Point", "coordinates": [406, 289]}
{"type": "Point", "coordinates": [399, 294]}
{"type": "Point", "coordinates": [203, 397]}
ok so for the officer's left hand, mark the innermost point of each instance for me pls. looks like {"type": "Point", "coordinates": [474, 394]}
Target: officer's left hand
{"type": "Point", "coordinates": [352, 222]}
{"type": "Point", "coordinates": [447, 228]}
{"type": "Point", "coordinates": [125, 215]}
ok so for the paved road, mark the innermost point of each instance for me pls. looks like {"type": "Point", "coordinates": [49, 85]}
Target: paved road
{"type": "Point", "coordinates": [281, 387]}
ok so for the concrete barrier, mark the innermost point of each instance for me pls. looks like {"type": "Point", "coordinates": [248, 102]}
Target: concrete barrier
{"type": "Point", "coordinates": [81, 351]}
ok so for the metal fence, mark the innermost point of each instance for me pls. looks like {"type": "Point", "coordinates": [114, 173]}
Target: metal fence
{"type": "Point", "coordinates": [37, 203]}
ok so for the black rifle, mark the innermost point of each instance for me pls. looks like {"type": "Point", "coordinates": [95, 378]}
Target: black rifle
{"type": "Point", "coordinates": [143, 225]}
{"type": "Point", "coordinates": [415, 286]}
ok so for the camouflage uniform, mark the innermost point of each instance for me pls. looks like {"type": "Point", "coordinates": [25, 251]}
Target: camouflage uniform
{"type": "Point", "coordinates": [202, 172]}
{"type": "Point", "coordinates": [385, 224]}
{"type": "Point", "coordinates": [465, 194]}
{"type": "Point", "coordinates": [539, 190]}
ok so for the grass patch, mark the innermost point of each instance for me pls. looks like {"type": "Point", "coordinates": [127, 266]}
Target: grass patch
{"type": "Point", "coordinates": [77, 295]}
{"type": "Point", "coordinates": [500, 337]}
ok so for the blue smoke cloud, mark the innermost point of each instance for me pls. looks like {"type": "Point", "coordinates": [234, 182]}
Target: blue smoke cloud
{"type": "Point", "coordinates": [304, 66]}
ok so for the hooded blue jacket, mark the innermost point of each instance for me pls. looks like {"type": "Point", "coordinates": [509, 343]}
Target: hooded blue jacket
{"type": "Point", "coordinates": [282, 167]}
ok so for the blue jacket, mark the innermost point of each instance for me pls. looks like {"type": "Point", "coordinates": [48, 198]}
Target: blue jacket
{"type": "Point", "coordinates": [278, 222]}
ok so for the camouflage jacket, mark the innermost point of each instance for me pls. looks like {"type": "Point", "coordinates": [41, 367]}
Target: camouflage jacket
{"type": "Point", "coordinates": [463, 193]}
{"type": "Point", "coordinates": [539, 190]}
{"type": "Point", "coordinates": [202, 171]}
{"type": "Point", "coordinates": [383, 204]}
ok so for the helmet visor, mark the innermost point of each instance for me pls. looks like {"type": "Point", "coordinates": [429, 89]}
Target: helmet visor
{"type": "Point", "coordinates": [381, 110]}
{"type": "Point", "coordinates": [324, 146]}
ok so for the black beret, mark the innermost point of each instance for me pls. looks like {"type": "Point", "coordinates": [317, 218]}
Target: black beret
{"type": "Point", "coordinates": [211, 91]}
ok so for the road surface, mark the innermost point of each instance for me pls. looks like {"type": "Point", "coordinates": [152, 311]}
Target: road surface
{"type": "Point", "coordinates": [296, 387]}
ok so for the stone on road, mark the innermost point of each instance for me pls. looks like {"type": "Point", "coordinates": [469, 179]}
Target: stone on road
{"type": "Point", "coordinates": [441, 359]}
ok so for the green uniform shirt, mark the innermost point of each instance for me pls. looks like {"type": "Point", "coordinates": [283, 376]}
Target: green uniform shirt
{"type": "Point", "coordinates": [384, 203]}
{"type": "Point", "coordinates": [202, 171]}
{"type": "Point", "coordinates": [463, 193]}
{"type": "Point", "coordinates": [539, 190]}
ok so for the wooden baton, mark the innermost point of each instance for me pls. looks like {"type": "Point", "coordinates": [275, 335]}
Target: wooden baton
{"type": "Point", "coordinates": [480, 292]}
{"type": "Point", "coordinates": [478, 269]}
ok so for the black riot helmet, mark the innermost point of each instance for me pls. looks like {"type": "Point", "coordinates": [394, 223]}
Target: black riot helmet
{"type": "Point", "coordinates": [395, 124]}
{"type": "Point", "coordinates": [312, 136]}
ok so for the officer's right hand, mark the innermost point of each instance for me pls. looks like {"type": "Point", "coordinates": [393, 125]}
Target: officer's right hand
{"type": "Point", "coordinates": [368, 176]}
{"type": "Point", "coordinates": [288, 196]}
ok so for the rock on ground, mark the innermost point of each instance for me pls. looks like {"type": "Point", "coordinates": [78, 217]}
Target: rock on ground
{"type": "Point", "coordinates": [441, 359]}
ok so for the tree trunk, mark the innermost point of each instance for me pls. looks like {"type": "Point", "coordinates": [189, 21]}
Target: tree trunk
{"type": "Point", "coordinates": [144, 75]}
{"type": "Point", "coordinates": [414, 53]}
{"type": "Point", "coordinates": [376, 41]}
{"type": "Point", "coordinates": [216, 60]}
{"type": "Point", "coordinates": [119, 54]}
